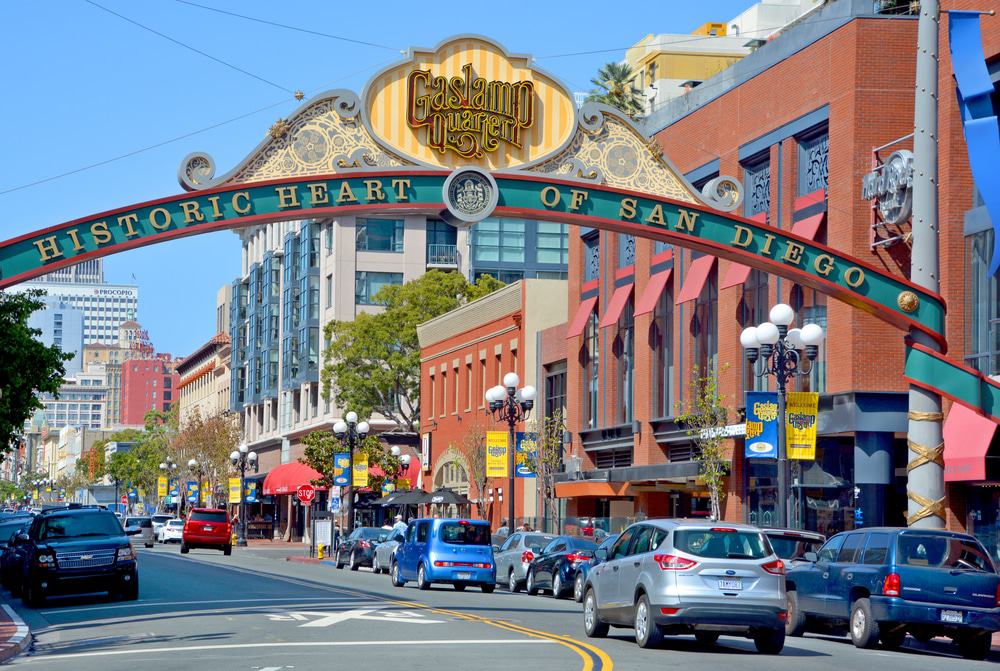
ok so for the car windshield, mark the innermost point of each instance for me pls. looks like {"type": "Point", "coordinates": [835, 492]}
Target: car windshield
{"type": "Point", "coordinates": [464, 533]}
{"type": "Point", "coordinates": [208, 516]}
{"type": "Point", "coordinates": [942, 552]}
{"type": "Point", "coordinates": [176, 524]}
{"type": "Point", "coordinates": [141, 522]}
{"type": "Point", "coordinates": [159, 519]}
{"type": "Point", "coordinates": [721, 543]}
{"type": "Point", "coordinates": [75, 526]}
{"type": "Point", "coordinates": [791, 547]}
{"type": "Point", "coordinates": [582, 545]}
{"type": "Point", "coordinates": [369, 533]}
{"type": "Point", "coordinates": [537, 541]}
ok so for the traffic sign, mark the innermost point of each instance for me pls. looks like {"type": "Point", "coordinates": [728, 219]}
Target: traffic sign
{"type": "Point", "coordinates": [306, 493]}
{"type": "Point", "coordinates": [124, 499]}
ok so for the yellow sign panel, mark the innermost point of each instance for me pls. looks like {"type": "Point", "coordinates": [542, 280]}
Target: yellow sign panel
{"type": "Point", "coordinates": [360, 478]}
{"type": "Point", "coordinates": [161, 488]}
{"type": "Point", "coordinates": [234, 490]}
{"type": "Point", "coordinates": [205, 492]}
{"type": "Point", "coordinates": [496, 454]}
{"type": "Point", "coordinates": [469, 102]}
{"type": "Point", "coordinates": [801, 411]}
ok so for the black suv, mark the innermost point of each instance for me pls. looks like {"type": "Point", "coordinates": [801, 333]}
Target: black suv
{"type": "Point", "coordinates": [74, 551]}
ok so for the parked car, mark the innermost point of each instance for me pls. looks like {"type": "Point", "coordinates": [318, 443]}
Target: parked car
{"type": "Point", "coordinates": [145, 527]}
{"type": "Point", "coordinates": [158, 521]}
{"type": "Point", "coordinates": [171, 532]}
{"type": "Point", "coordinates": [792, 544]}
{"type": "Point", "coordinates": [516, 553]}
{"type": "Point", "coordinates": [9, 528]}
{"type": "Point", "coordinates": [452, 551]}
{"type": "Point", "coordinates": [385, 550]}
{"type": "Point", "coordinates": [72, 551]}
{"type": "Point", "coordinates": [884, 582]}
{"type": "Point", "coordinates": [665, 577]}
{"type": "Point", "coordinates": [207, 528]}
{"type": "Point", "coordinates": [555, 568]}
{"type": "Point", "coordinates": [583, 568]}
{"type": "Point", "coordinates": [358, 549]}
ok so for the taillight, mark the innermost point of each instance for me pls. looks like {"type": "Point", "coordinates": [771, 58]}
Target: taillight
{"type": "Point", "coordinates": [527, 557]}
{"type": "Point", "coordinates": [998, 595]}
{"type": "Point", "coordinates": [674, 563]}
{"type": "Point", "coordinates": [460, 564]}
{"type": "Point", "coordinates": [364, 544]}
{"type": "Point", "coordinates": [891, 585]}
{"type": "Point", "coordinates": [776, 567]}
{"type": "Point", "coordinates": [573, 557]}
{"type": "Point", "coordinates": [723, 530]}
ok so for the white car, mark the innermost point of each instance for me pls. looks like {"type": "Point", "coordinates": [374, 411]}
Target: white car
{"type": "Point", "coordinates": [171, 532]}
{"type": "Point", "coordinates": [159, 520]}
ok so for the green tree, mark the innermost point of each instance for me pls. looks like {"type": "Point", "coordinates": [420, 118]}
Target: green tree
{"type": "Point", "coordinates": [547, 459]}
{"type": "Point", "coordinates": [473, 459]}
{"type": "Point", "coordinates": [703, 421]}
{"type": "Point", "coordinates": [373, 362]}
{"type": "Point", "coordinates": [320, 446]}
{"type": "Point", "coordinates": [27, 367]}
{"type": "Point", "coordinates": [209, 440]}
{"type": "Point", "coordinates": [616, 88]}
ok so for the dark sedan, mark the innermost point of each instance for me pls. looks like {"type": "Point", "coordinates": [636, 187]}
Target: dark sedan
{"type": "Point", "coordinates": [358, 549]}
{"type": "Point", "coordinates": [583, 568]}
{"type": "Point", "coordinates": [556, 567]}
{"type": "Point", "coordinates": [9, 569]}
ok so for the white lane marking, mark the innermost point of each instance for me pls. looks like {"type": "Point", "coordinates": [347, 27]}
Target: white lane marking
{"type": "Point", "coordinates": [326, 619]}
{"type": "Point", "coordinates": [145, 604]}
{"type": "Point", "coordinates": [289, 644]}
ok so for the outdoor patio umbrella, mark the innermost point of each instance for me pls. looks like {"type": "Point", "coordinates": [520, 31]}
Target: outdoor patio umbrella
{"type": "Point", "coordinates": [388, 499]}
{"type": "Point", "coordinates": [444, 497]}
{"type": "Point", "coordinates": [402, 498]}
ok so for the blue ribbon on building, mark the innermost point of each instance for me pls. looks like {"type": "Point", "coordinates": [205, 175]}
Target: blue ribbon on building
{"type": "Point", "coordinates": [979, 119]}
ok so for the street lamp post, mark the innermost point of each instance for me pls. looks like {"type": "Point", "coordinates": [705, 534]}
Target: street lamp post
{"type": "Point", "coordinates": [509, 404]}
{"type": "Point", "coordinates": [353, 433]}
{"type": "Point", "coordinates": [243, 459]}
{"type": "Point", "coordinates": [780, 350]}
{"type": "Point", "coordinates": [197, 470]}
{"type": "Point", "coordinates": [169, 469]}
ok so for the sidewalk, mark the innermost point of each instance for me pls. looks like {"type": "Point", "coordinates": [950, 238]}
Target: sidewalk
{"type": "Point", "coordinates": [14, 635]}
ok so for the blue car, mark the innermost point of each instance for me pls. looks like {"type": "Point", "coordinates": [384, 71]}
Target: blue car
{"type": "Point", "coordinates": [882, 583]}
{"type": "Point", "coordinates": [583, 568]}
{"type": "Point", "coordinates": [451, 551]}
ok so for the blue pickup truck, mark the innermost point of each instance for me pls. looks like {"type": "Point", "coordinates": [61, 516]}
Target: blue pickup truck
{"type": "Point", "coordinates": [882, 583]}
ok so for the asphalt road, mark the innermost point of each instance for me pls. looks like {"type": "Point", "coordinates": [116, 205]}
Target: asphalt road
{"type": "Point", "coordinates": [255, 612]}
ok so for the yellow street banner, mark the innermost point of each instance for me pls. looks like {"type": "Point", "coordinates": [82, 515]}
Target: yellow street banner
{"type": "Point", "coordinates": [161, 488]}
{"type": "Point", "coordinates": [204, 491]}
{"type": "Point", "coordinates": [801, 410]}
{"type": "Point", "coordinates": [234, 490]}
{"type": "Point", "coordinates": [496, 454]}
{"type": "Point", "coordinates": [360, 478]}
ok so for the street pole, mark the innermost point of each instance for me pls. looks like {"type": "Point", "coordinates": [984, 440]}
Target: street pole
{"type": "Point", "coordinates": [241, 540]}
{"type": "Point", "coordinates": [511, 447]}
{"type": "Point", "coordinates": [925, 468]}
{"type": "Point", "coordinates": [352, 432]}
{"type": "Point", "coordinates": [782, 504]}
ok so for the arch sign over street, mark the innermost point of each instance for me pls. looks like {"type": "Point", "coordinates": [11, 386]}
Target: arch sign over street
{"type": "Point", "coordinates": [466, 131]}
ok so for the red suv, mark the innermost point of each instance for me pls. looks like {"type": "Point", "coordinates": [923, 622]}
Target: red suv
{"type": "Point", "coordinates": [207, 528]}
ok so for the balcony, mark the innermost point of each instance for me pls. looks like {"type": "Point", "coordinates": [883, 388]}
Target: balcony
{"type": "Point", "coordinates": [442, 256]}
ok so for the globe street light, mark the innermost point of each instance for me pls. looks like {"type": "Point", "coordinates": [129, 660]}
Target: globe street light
{"type": "Point", "coordinates": [169, 469]}
{"type": "Point", "coordinates": [243, 459]}
{"type": "Point", "coordinates": [780, 350]}
{"type": "Point", "coordinates": [509, 404]}
{"type": "Point", "coordinates": [353, 433]}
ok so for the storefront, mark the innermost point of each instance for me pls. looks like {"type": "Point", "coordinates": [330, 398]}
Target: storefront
{"type": "Point", "coordinates": [972, 475]}
{"type": "Point", "coordinates": [288, 516]}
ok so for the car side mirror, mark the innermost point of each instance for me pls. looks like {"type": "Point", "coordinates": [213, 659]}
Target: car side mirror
{"type": "Point", "coordinates": [22, 537]}
{"type": "Point", "coordinates": [811, 557]}
{"type": "Point", "coordinates": [496, 548]}
{"type": "Point", "coordinates": [133, 531]}
{"type": "Point", "coordinates": [601, 553]}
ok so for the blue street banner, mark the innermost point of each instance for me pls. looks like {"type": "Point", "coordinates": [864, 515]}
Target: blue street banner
{"type": "Point", "coordinates": [132, 493]}
{"type": "Point", "coordinates": [341, 469]}
{"type": "Point", "coordinates": [192, 492]}
{"type": "Point", "coordinates": [174, 488]}
{"type": "Point", "coordinates": [762, 425]}
{"type": "Point", "coordinates": [527, 445]}
{"type": "Point", "coordinates": [251, 493]}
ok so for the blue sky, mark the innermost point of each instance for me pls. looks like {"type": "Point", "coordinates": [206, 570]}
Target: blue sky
{"type": "Point", "coordinates": [83, 86]}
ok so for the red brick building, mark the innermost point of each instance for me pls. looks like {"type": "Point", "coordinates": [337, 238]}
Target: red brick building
{"type": "Point", "coordinates": [147, 384]}
{"type": "Point", "coordinates": [465, 352]}
{"type": "Point", "coordinates": [797, 122]}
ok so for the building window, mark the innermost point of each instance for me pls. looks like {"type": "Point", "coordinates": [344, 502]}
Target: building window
{"type": "Point", "coordinates": [431, 397]}
{"type": "Point", "coordinates": [704, 327]}
{"type": "Point", "coordinates": [468, 387]}
{"type": "Point", "coordinates": [982, 309]}
{"type": "Point", "coordinates": [625, 351]}
{"type": "Point", "coordinates": [593, 344]}
{"type": "Point", "coordinates": [498, 240]}
{"type": "Point", "coordinates": [328, 229]}
{"type": "Point", "coordinates": [810, 306]}
{"type": "Point", "coordinates": [444, 392]}
{"type": "Point", "coordinates": [660, 246]}
{"type": "Point", "coordinates": [555, 390]}
{"type": "Point", "coordinates": [379, 235]}
{"type": "Point", "coordinates": [753, 310]}
{"type": "Point", "coordinates": [592, 258]}
{"type": "Point", "coordinates": [329, 291]}
{"type": "Point", "coordinates": [757, 181]}
{"type": "Point", "coordinates": [626, 250]}
{"type": "Point", "coordinates": [662, 332]}
{"type": "Point", "coordinates": [505, 276]}
{"type": "Point", "coordinates": [553, 243]}
{"type": "Point", "coordinates": [482, 383]}
{"type": "Point", "coordinates": [458, 391]}
{"type": "Point", "coordinates": [367, 284]}
{"type": "Point", "coordinates": [814, 173]}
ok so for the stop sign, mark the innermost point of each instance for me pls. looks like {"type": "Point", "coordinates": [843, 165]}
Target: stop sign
{"type": "Point", "coordinates": [306, 493]}
{"type": "Point", "coordinates": [124, 499]}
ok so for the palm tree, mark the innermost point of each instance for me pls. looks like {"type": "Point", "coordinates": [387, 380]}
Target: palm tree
{"type": "Point", "coordinates": [616, 88]}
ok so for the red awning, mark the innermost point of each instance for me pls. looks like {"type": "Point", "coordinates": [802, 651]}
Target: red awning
{"type": "Point", "coordinates": [697, 275]}
{"type": "Point", "coordinates": [580, 318]}
{"type": "Point", "coordinates": [654, 289]}
{"type": "Point", "coordinates": [738, 273]}
{"type": "Point", "coordinates": [809, 226]}
{"type": "Point", "coordinates": [617, 304]}
{"type": "Point", "coordinates": [287, 478]}
{"type": "Point", "coordinates": [967, 437]}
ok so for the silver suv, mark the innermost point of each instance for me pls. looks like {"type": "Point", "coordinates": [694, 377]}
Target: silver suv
{"type": "Point", "coordinates": [689, 576]}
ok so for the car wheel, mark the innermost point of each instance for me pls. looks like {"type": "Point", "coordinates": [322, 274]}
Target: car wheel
{"type": "Point", "coordinates": [530, 587]}
{"type": "Point", "coordinates": [459, 587]}
{"type": "Point", "coordinates": [706, 637]}
{"type": "Point", "coordinates": [488, 589]}
{"type": "Point", "coordinates": [353, 563]}
{"type": "Point", "coordinates": [795, 623]}
{"type": "Point", "coordinates": [863, 627]}
{"type": "Point", "coordinates": [375, 567]}
{"type": "Point", "coordinates": [578, 588]}
{"type": "Point", "coordinates": [394, 574]}
{"type": "Point", "coordinates": [975, 646]}
{"type": "Point", "coordinates": [769, 641]}
{"type": "Point", "coordinates": [228, 550]}
{"type": "Point", "coordinates": [557, 586]}
{"type": "Point", "coordinates": [892, 639]}
{"type": "Point", "coordinates": [647, 632]}
{"type": "Point", "coordinates": [422, 582]}
{"type": "Point", "coordinates": [592, 624]}
{"type": "Point", "coordinates": [131, 590]}
{"type": "Point", "coordinates": [513, 584]}
{"type": "Point", "coordinates": [148, 545]}
{"type": "Point", "coordinates": [184, 548]}
{"type": "Point", "coordinates": [30, 596]}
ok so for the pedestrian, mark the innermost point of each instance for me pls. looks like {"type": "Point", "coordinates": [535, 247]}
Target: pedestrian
{"type": "Point", "coordinates": [525, 527]}
{"type": "Point", "coordinates": [336, 536]}
{"type": "Point", "coordinates": [400, 525]}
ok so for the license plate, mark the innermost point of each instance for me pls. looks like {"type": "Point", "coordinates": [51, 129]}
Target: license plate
{"type": "Point", "coordinates": [463, 576]}
{"type": "Point", "coordinates": [206, 528]}
{"type": "Point", "coordinates": [954, 616]}
{"type": "Point", "coordinates": [736, 583]}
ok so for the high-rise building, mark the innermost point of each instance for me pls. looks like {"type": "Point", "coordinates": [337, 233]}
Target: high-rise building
{"type": "Point", "coordinates": [147, 384]}
{"type": "Point", "coordinates": [85, 272]}
{"type": "Point", "coordinates": [81, 402]}
{"type": "Point", "coordinates": [61, 325]}
{"type": "Point", "coordinates": [132, 342]}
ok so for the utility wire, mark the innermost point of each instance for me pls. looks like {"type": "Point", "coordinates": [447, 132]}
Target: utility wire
{"type": "Point", "coordinates": [189, 47]}
{"type": "Point", "coordinates": [287, 27]}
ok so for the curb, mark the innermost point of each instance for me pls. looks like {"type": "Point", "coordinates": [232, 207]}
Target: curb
{"type": "Point", "coordinates": [21, 639]}
{"type": "Point", "coordinates": [310, 560]}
